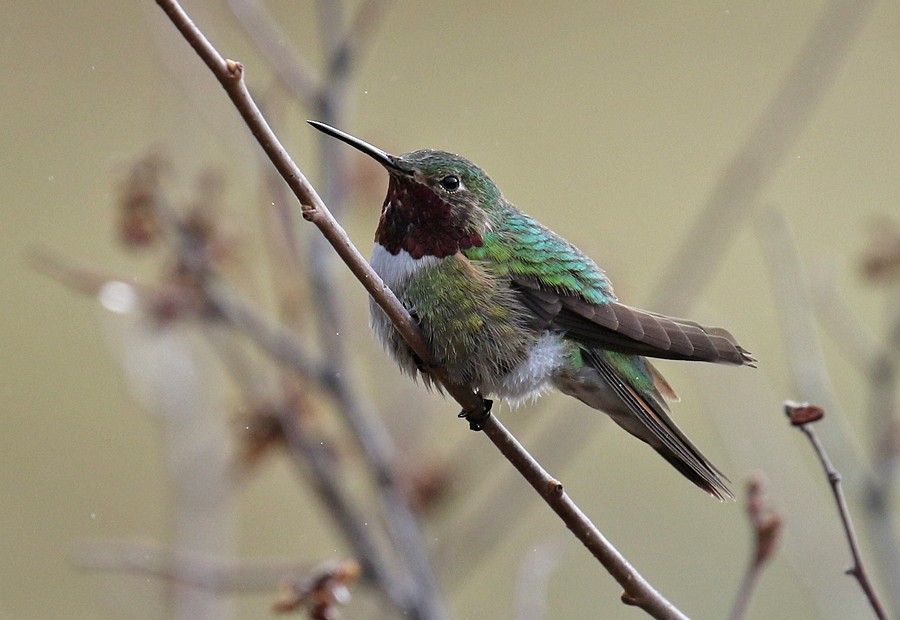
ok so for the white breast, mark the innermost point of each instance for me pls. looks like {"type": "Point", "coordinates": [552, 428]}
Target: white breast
{"type": "Point", "coordinates": [395, 269]}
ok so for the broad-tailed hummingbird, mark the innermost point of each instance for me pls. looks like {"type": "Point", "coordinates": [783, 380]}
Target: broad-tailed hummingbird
{"type": "Point", "coordinates": [510, 309]}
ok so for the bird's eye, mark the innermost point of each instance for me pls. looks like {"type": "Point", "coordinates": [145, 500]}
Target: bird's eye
{"type": "Point", "coordinates": [450, 183]}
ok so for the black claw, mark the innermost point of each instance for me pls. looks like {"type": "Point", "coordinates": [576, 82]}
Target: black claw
{"type": "Point", "coordinates": [478, 419]}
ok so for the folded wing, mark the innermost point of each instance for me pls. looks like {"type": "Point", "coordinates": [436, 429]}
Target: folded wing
{"type": "Point", "coordinates": [617, 327]}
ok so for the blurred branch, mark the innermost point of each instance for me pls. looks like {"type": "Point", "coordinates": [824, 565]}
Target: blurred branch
{"type": "Point", "coordinates": [195, 569]}
{"type": "Point", "coordinates": [81, 279]}
{"type": "Point", "coordinates": [274, 44]}
{"type": "Point", "coordinates": [877, 359]}
{"type": "Point", "coordinates": [802, 344]}
{"type": "Point", "coordinates": [309, 453]}
{"type": "Point", "coordinates": [881, 264]}
{"type": "Point", "coordinates": [855, 340]}
{"type": "Point", "coordinates": [885, 433]}
{"type": "Point", "coordinates": [796, 317]}
{"type": "Point", "coordinates": [760, 156]}
{"type": "Point", "coordinates": [881, 260]}
{"type": "Point", "coordinates": [379, 453]}
{"type": "Point", "coordinates": [477, 411]}
{"type": "Point", "coordinates": [312, 455]}
{"type": "Point", "coordinates": [354, 42]}
{"type": "Point", "coordinates": [533, 584]}
{"type": "Point", "coordinates": [802, 416]}
{"type": "Point", "coordinates": [164, 376]}
{"type": "Point", "coordinates": [212, 299]}
{"type": "Point", "coordinates": [279, 228]}
{"type": "Point", "coordinates": [278, 342]}
{"type": "Point", "coordinates": [767, 526]}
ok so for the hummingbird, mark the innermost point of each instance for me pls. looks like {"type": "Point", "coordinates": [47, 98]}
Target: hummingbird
{"type": "Point", "coordinates": [511, 309]}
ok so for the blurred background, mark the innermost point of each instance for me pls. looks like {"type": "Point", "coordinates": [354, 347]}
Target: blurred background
{"type": "Point", "coordinates": [139, 434]}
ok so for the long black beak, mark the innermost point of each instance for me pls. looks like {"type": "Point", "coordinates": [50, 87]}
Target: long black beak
{"type": "Point", "coordinates": [385, 159]}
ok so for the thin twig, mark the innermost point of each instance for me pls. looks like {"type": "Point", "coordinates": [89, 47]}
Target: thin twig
{"type": "Point", "coordinates": [879, 360]}
{"type": "Point", "coordinates": [802, 416]}
{"type": "Point", "coordinates": [230, 75]}
{"type": "Point", "coordinates": [802, 344]}
{"type": "Point", "coordinates": [767, 527]}
{"type": "Point", "coordinates": [798, 307]}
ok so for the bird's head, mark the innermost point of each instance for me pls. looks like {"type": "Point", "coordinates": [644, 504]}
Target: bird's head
{"type": "Point", "coordinates": [437, 203]}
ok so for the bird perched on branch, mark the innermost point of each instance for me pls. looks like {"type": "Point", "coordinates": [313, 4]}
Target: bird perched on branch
{"type": "Point", "coordinates": [510, 309]}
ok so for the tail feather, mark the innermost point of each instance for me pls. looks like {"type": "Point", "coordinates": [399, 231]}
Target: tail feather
{"type": "Point", "coordinates": [641, 410]}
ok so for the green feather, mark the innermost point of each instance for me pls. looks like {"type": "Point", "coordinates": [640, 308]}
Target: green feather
{"type": "Point", "coordinates": [519, 246]}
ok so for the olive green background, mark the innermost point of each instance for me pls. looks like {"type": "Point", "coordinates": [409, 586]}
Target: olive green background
{"type": "Point", "coordinates": [610, 121]}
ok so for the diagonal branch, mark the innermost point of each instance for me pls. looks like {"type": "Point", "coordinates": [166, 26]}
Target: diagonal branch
{"type": "Point", "coordinates": [761, 155]}
{"type": "Point", "coordinates": [230, 75]}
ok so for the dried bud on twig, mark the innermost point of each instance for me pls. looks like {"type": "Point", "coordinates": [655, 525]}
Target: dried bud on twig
{"type": "Point", "coordinates": [802, 413]}
{"type": "Point", "coordinates": [321, 592]}
{"type": "Point", "coordinates": [139, 224]}
{"type": "Point", "coordinates": [766, 523]}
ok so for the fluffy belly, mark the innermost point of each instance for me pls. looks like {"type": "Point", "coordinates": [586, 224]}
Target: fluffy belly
{"type": "Point", "coordinates": [534, 374]}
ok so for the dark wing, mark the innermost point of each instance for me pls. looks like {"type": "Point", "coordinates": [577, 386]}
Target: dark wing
{"type": "Point", "coordinates": [617, 327]}
{"type": "Point", "coordinates": [566, 290]}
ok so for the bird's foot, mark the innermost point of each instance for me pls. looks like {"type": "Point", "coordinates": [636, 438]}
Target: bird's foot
{"type": "Point", "coordinates": [477, 419]}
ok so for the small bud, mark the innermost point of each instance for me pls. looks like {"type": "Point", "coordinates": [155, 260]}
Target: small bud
{"type": "Point", "coordinates": [555, 487]}
{"type": "Point", "coordinates": [766, 523]}
{"type": "Point", "coordinates": [139, 194]}
{"type": "Point", "coordinates": [802, 413]}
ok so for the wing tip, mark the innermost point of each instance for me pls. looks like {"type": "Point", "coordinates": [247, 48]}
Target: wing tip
{"type": "Point", "coordinates": [747, 358]}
